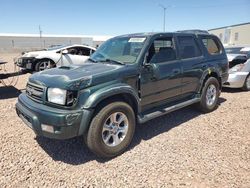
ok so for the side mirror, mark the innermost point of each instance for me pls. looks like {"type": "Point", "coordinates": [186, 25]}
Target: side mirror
{"type": "Point", "coordinates": [65, 52]}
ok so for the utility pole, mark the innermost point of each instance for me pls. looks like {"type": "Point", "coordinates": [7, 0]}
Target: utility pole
{"type": "Point", "coordinates": [40, 33]}
{"type": "Point", "coordinates": [164, 16]}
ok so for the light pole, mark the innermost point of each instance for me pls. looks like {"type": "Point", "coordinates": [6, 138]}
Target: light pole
{"type": "Point", "coordinates": [40, 33]}
{"type": "Point", "coordinates": [164, 16]}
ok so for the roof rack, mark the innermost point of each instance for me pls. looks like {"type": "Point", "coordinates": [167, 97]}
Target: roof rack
{"type": "Point", "coordinates": [195, 31]}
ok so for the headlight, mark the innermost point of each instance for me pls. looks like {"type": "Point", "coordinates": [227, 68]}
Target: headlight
{"type": "Point", "coordinates": [236, 68]}
{"type": "Point", "coordinates": [57, 96]}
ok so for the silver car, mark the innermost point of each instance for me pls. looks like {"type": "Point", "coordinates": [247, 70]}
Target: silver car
{"type": "Point", "coordinates": [239, 64]}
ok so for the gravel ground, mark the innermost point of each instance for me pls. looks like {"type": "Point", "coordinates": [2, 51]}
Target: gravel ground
{"type": "Point", "coordinates": [182, 149]}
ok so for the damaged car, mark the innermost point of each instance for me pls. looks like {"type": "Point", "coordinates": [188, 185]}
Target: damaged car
{"type": "Point", "coordinates": [130, 79]}
{"type": "Point", "coordinates": [239, 64]}
{"type": "Point", "coordinates": [55, 57]}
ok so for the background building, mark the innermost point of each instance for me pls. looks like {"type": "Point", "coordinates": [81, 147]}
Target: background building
{"type": "Point", "coordinates": [23, 42]}
{"type": "Point", "coordinates": [234, 34]}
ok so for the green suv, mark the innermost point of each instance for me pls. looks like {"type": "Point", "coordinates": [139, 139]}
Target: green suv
{"type": "Point", "coordinates": [130, 79]}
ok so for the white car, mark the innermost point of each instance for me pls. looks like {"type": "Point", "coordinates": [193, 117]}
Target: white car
{"type": "Point", "coordinates": [54, 57]}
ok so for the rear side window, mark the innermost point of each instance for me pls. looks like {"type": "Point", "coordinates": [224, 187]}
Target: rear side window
{"type": "Point", "coordinates": [188, 47]}
{"type": "Point", "coordinates": [212, 46]}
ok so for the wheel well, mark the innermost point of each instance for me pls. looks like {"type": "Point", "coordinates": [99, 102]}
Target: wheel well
{"type": "Point", "coordinates": [38, 60]}
{"type": "Point", "coordinates": [212, 74]}
{"type": "Point", "coordinates": [126, 97]}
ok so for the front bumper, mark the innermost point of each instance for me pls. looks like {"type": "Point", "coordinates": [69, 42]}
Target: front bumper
{"type": "Point", "coordinates": [66, 123]}
{"type": "Point", "coordinates": [236, 80]}
{"type": "Point", "coordinates": [26, 62]}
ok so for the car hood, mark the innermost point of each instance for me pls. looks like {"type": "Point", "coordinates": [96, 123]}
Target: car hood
{"type": "Point", "coordinates": [77, 77]}
{"type": "Point", "coordinates": [35, 53]}
{"type": "Point", "coordinates": [232, 57]}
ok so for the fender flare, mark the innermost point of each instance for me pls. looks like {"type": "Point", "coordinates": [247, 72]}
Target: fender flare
{"type": "Point", "coordinates": [207, 73]}
{"type": "Point", "coordinates": [109, 91]}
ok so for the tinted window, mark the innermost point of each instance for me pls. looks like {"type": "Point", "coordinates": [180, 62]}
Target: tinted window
{"type": "Point", "coordinates": [162, 50]}
{"type": "Point", "coordinates": [72, 51]}
{"type": "Point", "coordinates": [84, 51]}
{"type": "Point", "coordinates": [188, 47]}
{"type": "Point", "coordinates": [212, 46]}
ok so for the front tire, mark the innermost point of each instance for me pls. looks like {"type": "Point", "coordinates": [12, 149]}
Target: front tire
{"type": "Point", "coordinates": [43, 65]}
{"type": "Point", "coordinates": [246, 86]}
{"type": "Point", "coordinates": [111, 130]}
{"type": "Point", "coordinates": [210, 95]}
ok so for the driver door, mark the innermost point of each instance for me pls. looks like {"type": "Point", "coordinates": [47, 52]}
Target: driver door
{"type": "Point", "coordinates": [161, 77]}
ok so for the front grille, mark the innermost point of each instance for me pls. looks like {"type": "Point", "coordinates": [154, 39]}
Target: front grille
{"type": "Point", "coordinates": [35, 92]}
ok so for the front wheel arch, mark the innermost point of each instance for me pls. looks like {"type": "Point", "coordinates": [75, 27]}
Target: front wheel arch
{"type": "Point", "coordinates": [36, 68]}
{"type": "Point", "coordinates": [245, 88]}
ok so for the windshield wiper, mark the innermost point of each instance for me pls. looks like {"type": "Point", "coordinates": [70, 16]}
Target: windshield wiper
{"type": "Point", "coordinates": [112, 61]}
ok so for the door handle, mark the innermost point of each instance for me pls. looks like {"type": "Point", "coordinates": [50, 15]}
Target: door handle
{"type": "Point", "coordinates": [204, 66]}
{"type": "Point", "coordinates": [176, 71]}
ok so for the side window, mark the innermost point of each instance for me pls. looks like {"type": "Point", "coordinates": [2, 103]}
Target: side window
{"type": "Point", "coordinates": [211, 45]}
{"type": "Point", "coordinates": [72, 51]}
{"type": "Point", "coordinates": [84, 51]}
{"type": "Point", "coordinates": [188, 47]}
{"type": "Point", "coordinates": [162, 50]}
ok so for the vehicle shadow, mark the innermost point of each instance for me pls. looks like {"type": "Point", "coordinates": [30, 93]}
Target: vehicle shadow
{"type": "Point", "coordinates": [232, 90]}
{"type": "Point", "coordinates": [75, 152]}
{"type": "Point", "coordinates": [8, 92]}
{"type": "Point", "coordinates": [7, 80]}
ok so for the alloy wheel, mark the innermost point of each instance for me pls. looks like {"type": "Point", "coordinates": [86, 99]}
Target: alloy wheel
{"type": "Point", "coordinates": [115, 129]}
{"type": "Point", "coordinates": [211, 95]}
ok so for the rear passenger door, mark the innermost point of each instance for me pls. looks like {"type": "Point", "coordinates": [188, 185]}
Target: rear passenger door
{"type": "Point", "coordinates": [192, 63]}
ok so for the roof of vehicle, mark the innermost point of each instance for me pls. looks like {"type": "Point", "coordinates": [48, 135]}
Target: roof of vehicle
{"type": "Point", "coordinates": [74, 45]}
{"type": "Point", "coordinates": [149, 34]}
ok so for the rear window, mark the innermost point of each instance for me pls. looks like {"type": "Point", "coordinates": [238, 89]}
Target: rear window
{"type": "Point", "coordinates": [212, 46]}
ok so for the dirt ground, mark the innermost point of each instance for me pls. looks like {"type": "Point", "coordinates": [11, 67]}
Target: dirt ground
{"type": "Point", "coordinates": [183, 149]}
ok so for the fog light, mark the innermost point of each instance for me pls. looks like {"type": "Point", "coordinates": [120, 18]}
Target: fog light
{"type": "Point", "coordinates": [47, 128]}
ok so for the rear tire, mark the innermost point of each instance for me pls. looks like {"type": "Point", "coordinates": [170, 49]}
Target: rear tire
{"type": "Point", "coordinates": [246, 86]}
{"type": "Point", "coordinates": [111, 130]}
{"type": "Point", "coordinates": [210, 95]}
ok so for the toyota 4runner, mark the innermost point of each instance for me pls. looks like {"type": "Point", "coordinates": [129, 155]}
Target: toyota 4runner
{"type": "Point", "coordinates": [130, 79]}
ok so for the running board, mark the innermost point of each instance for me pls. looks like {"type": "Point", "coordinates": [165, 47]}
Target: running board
{"type": "Point", "coordinates": [161, 112]}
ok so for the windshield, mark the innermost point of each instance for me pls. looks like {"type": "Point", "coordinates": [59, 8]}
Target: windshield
{"type": "Point", "coordinates": [56, 47]}
{"type": "Point", "coordinates": [124, 50]}
{"type": "Point", "coordinates": [233, 50]}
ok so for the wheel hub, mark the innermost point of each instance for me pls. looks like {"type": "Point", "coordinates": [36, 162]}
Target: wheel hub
{"type": "Point", "coordinates": [115, 129]}
{"type": "Point", "coordinates": [211, 95]}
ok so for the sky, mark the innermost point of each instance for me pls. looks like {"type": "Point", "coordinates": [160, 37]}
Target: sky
{"type": "Point", "coordinates": [115, 17]}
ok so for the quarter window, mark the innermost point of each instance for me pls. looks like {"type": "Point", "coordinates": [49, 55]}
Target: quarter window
{"type": "Point", "coordinates": [212, 46]}
{"type": "Point", "coordinates": [188, 47]}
